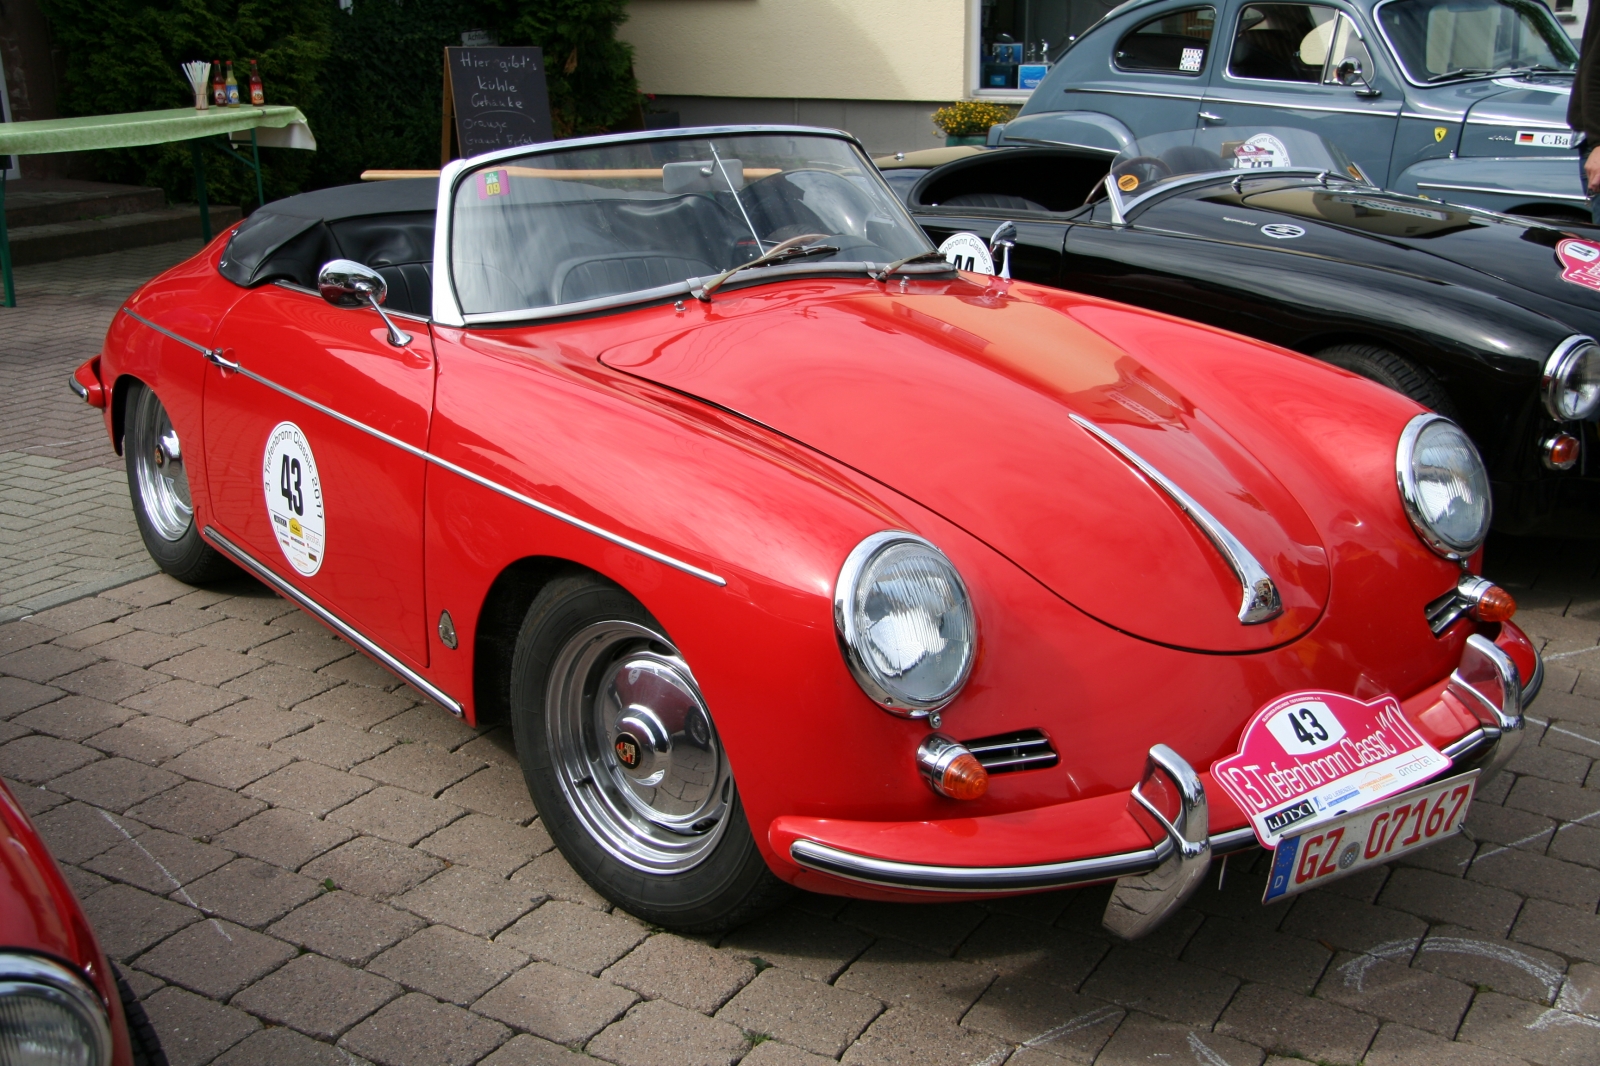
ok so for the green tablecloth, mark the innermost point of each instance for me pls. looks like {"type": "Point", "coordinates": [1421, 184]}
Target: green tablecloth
{"type": "Point", "coordinates": [278, 124]}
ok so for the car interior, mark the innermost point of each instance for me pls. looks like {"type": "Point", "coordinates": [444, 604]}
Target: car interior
{"type": "Point", "coordinates": [1040, 180]}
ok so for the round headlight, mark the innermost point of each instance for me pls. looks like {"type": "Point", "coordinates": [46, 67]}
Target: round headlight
{"type": "Point", "coordinates": [905, 623]}
{"type": "Point", "coordinates": [1572, 380]}
{"type": "Point", "coordinates": [1443, 485]}
{"type": "Point", "coordinates": [49, 1016]}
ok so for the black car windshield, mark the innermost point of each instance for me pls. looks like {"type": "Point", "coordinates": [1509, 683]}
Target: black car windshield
{"type": "Point", "coordinates": [634, 218]}
{"type": "Point", "coordinates": [1442, 40]}
{"type": "Point", "coordinates": [1162, 159]}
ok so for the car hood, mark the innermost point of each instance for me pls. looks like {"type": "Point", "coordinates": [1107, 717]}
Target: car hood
{"type": "Point", "coordinates": [962, 398]}
{"type": "Point", "coordinates": [1513, 120]}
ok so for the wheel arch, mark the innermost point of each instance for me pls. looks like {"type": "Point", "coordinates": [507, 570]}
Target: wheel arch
{"type": "Point", "coordinates": [119, 407]}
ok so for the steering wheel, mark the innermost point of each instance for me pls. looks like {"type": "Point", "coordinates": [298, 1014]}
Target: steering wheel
{"type": "Point", "coordinates": [1143, 168]}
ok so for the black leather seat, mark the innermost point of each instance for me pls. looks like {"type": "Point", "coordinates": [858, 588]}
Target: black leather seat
{"type": "Point", "coordinates": [410, 287]}
{"type": "Point", "coordinates": [993, 201]}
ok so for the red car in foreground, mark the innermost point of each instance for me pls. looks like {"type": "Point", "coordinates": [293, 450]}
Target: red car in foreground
{"type": "Point", "coordinates": [794, 555]}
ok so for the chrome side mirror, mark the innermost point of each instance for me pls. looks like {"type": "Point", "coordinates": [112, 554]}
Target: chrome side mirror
{"type": "Point", "coordinates": [1005, 236]}
{"type": "Point", "coordinates": [346, 283]}
{"type": "Point", "coordinates": [1350, 71]}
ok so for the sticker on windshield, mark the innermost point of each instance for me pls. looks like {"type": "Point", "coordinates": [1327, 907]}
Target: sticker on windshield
{"type": "Point", "coordinates": [493, 183]}
{"type": "Point", "coordinates": [1128, 182]}
{"type": "Point", "coordinates": [294, 498]}
{"type": "Point", "coordinates": [966, 251]}
{"type": "Point", "coordinates": [1580, 262]}
{"type": "Point", "coordinates": [1282, 231]}
{"type": "Point", "coordinates": [1189, 62]}
{"type": "Point", "coordinates": [1544, 139]}
{"type": "Point", "coordinates": [1262, 150]}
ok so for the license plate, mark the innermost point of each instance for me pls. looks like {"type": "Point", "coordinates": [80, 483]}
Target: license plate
{"type": "Point", "coordinates": [1327, 851]}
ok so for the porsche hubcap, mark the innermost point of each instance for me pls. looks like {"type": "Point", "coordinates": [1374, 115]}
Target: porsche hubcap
{"type": "Point", "coordinates": [158, 468]}
{"type": "Point", "coordinates": [634, 748]}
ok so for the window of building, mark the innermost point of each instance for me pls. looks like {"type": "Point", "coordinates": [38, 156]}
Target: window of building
{"type": "Point", "coordinates": [1173, 43]}
{"type": "Point", "coordinates": [1019, 40]}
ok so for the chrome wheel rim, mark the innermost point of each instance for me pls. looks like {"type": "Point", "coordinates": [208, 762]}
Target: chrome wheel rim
{"type": "Point", "coordinates": [634, 748]}
{"type": "Point", "coordinates": [158, 468]}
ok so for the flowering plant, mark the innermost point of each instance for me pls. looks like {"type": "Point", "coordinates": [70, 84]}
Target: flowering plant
{"type": "Point", "coordinates": [971, 118]}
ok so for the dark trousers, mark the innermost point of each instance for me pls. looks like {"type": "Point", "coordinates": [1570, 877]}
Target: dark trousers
{"type": "Point", "coordinates": [1584, 148]}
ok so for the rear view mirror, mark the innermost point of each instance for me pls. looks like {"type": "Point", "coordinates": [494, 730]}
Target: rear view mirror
{"type": "Point", "coordinates": [346, 283]}
{"type": "Point", "coordinates": [1349, 72]}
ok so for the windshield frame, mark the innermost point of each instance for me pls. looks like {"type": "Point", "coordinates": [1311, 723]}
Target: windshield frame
{"type": "Point", "coordinates": [1127, 208]}
{"type": "Point", "coordinates": [447, 306]}
{"type": "Point", "coordinates": [1405, 71]}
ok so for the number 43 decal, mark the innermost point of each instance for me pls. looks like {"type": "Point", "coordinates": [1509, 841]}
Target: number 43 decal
{"type": "Point", "coordinates": [289, 486]}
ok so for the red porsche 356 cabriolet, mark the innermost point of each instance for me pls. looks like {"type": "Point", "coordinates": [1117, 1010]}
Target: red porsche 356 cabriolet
{"type": "Point", "coordinates": [794, 555]}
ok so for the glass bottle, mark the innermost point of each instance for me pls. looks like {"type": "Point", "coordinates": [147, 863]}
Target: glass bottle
{"type": "Point", "coordinates": [257, 95]}
{"type": "Point", "coordinates": [233, 87]}
{"type": "Point", "coordinates": [219, 87]}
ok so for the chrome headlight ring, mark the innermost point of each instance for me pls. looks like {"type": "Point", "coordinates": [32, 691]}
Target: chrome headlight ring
{"type": "Point", "coordinates": [1417, 497]}
{"type": "Point", "coordinates": [61, 989]}
{"type": "Point", "coordinates": [883, 652]}
{"type": "Point", "coordinates": [1576, 359]}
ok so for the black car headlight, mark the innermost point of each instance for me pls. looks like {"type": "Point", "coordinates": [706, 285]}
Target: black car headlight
{"type": "Point", "coordinates": [905, 623]}
{"type": "Point", "coordinates": [1571, 382]}
{"type": "Point", "coordinates": [49, 1015]}
{"type": "Point", "coordinates": [1443, 485]}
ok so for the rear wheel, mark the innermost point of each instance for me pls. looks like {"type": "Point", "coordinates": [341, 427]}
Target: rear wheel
{"type": "Point", "coordinates": [1391, 370]}
{"type": "Point", "coordinates": [624, 763]}
{"type": "Point", "coordinates": [158, 482]}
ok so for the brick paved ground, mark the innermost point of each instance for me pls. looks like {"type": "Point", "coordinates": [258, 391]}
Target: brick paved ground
{"type": "Point", "coordinates": [294, 860]}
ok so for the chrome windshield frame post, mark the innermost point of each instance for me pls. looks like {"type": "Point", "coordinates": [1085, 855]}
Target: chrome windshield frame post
{"type": "Point", "coordinates": [1141, 902]}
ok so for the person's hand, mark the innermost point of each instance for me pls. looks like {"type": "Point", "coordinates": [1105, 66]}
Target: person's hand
{"type": "Point", "coordinates": [1591, 172]}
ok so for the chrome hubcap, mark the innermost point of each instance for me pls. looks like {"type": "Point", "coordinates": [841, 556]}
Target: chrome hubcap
{"type": "Point", "coordinates": [634, 748]}
{"type": "Point", "coordinates": [158, 468]}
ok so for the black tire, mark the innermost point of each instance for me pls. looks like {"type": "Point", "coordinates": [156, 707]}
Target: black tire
{"type": "Point", "coordinates": [728, 883]}
{"type": "Point", "coordinates": [1392, 371]}
{"type": "Point", "coordinates": [161, 503]}
{"type": "Point", "coordinates": [141, 1034]}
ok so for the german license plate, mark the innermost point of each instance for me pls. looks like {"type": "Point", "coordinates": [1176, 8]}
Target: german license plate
{"type": "Point", "coordinates": [1326, 851]}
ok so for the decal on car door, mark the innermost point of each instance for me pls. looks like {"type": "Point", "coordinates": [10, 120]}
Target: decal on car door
{"type": "Point", "coordinates": [294, 498]}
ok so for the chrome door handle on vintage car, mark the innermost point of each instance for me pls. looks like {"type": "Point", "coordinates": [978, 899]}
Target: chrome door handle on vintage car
{"type": "Point", "coordinates": [1209, 117]}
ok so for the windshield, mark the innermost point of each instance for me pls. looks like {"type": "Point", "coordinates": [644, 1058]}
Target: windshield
{"type": "Point", "coordinates": [1438, 40]}
{"type": "Point", "coordinates": [1165, 158]}
{"type": "Point", "coordinates": [613, 220]}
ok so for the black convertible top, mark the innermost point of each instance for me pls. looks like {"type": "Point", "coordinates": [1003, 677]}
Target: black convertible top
{"type": "Point", "coordinates": [382, 223]}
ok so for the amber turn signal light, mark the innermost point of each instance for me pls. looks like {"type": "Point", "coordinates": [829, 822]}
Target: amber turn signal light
{"type": "Point", "coordinates": [1494, 605]}
{"type": "Point", "coordinates": [950, 769]}
{"type": "Point", "coordinates": [1560, 451]}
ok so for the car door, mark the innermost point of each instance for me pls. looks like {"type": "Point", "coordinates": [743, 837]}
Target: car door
{"type": "Point", "coordinates": [1279, 65]}
{"type": "Point", "coordinates": [1154, 81]}
{"type": "Point", "coordinates": [300, 478]}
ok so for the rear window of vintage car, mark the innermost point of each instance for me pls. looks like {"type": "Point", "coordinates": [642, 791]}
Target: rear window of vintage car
{"type": "Point", "coordinates": [569, 227]}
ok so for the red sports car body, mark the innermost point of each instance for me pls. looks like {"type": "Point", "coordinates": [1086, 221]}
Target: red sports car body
{"type": "Point", "coordinates": [683, 452]}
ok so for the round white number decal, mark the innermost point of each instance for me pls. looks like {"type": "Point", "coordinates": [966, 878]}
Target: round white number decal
{"type": "Point", "coordinates": [966, 251]}
{"type": "Point", "coordinates": [294, 497]}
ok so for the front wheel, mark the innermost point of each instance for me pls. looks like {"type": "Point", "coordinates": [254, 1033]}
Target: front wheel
{"type": "Point", "coordinates": [158, 482]}
{"type": "Point", "coordinates": [1394, 371]}
{"type": "Point", "coordinates": [623, 760]}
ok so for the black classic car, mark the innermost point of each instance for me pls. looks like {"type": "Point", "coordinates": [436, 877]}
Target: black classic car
{"type": "Point", "coordinates": [1274, 233]}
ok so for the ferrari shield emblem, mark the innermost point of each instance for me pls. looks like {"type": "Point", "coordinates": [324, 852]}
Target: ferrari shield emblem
{"type": "Point", "coordinates": [1438, 133]}
{"type": "Point", "coordinates": [627, 751]}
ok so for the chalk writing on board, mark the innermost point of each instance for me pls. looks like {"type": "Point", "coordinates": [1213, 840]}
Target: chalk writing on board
{"type": "Point", "coordinates": [498, 98]}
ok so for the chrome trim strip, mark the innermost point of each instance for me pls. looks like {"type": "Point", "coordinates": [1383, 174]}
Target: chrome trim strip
{"type": "Point", "coordinates": [1451, 117]}
{"type": "Point", "coordinates": [77, 388]}
{"type": "Point", "coordinates": [1260, 602]}
{"type": "Point", "coordinates": [1532, 123]}
{"type": "Point", "coordinates": [345, 629]}
{"type": "Point", "coordinates": [1502, 192]}
{"type": "Point", "coordinates": [1302, 107]}
{"type": "Point", "coordinates": [1136, 92]}
{"type": "Point", "coordinates": [543, 508]}
{"type": "Point", "coordinates": [202, 349]}
{"type": "Point", "coordinates": [1530, 691]}
{"type": "Point", "coordinates": [1467, 744]}
{"type": "Point", "coordinates": [1232, 840]}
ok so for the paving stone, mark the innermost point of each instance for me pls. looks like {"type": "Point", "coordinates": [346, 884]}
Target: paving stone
{"type": "Point", "coordinates": [472, 901]}
{"type": "Point", "coordinates": [252, 893]}
{"type": "Point", "coordinates": [1544, 1035]}
{"type": "Point", "coordinates": [1581, 992]}
{"type": "Point", "coordinates": [525, 1050]}
{"type": "Point", "coordinates": [1450, 857]}
{"type": "Point", "coordinates": [142, 985]}
{"type": "Point", "coordinates": [85, 639]}
{"type": "Point", "coordinates": [499, 791]}
{"type": "Point", "coordinates": [210, 666]}
{"type": "Point", "coordinates": [807, 1014]}
{"type": "Point", "coordinates": [1167, 988]}
{"type": "Point", "coordinates": [1350, 924]}
{"type": "Point", "coordinates": [550, 875]}
{"type": "Point", "coordinates": [1283, 961]}
{"type": "Point", "coordinates": [37, 759]}
{"type": "Point", "coordinates": [356, 706]}
{"type": "Point", "coordinates": [236, 634]}
{"type": "Point", "coordinates": [215, 959]}
{"type": "Point", "coordinates": [345, 926]}
{"type": "Point", "coordinates": [1490, 962]}
{"type": "Point", "coordinates": [429, 724]}
{"type": "Point", "coordinates": [1297, 1025]}
{"type": "Point", "coordinates": [360, 670]}
{"type": "Point", "coordinates": [77, 831]}
{"type": "Point", "coordinates": [1447, 899]}
{"type": "Point", "coordinates": [1549, 761]}
{"type": "Point", "coordinates": [10, 731]}
{"type": "Point", "coordinates": [256, 722]}
{"type": "Point", "coordinates": [373, 867]}
{"type": "Point", "coordinates": [17, 695]}
{"type": "Point", "coordinates": [448, 964]}
{"type": "Point", "coordinates": [333, 744]}
{"type": "Point", "coordinates": [127, 920]}
{"type": "Point", "coordinates": [903, 975]}
{"type": "Point", "coordinates": [309, 787]}
{"type": "Point", "coordinates": [308, 651]}
{"type": "Point", "coordinates": [279, 1046]}
{"type": "Point", "coordinates": [151, 592]}
{"type": "Point", "coordinates": [80, 614]}
{"type": "Point", "coordinates": [44, 662]}
{"type": "Point", "coordinates": [555, 1003]}
{"type": "Point", "coordinates": [34, 799]}
{"type": "Point", "coordinates": [1538, 876]}
{"type": "Point", "coordinates": [396, 814]}
{"type": "Point", "coordinates": [193, 1030]}
{"type": "Point", "coordinates": [1507, 826]}
{"type": "Point", "coordinates": [1396, 992]}
{"type": "Point", "coordinates": [115, 784]}
{"type": "Point", "coordinates": [1568, 930]}
{"type": "Point", "coordinates": [195, 809]}
{"type": "Point", "coordinates": [158, 861]}
{"type": "Point", "coordinates": [417, 1030]}
{"type": "Point", "coordinates": [1569, 803]}
{"type": "Point", "coordinates": [139, 648]}
{"type": "Point", "coordinates": [420, 767]}
{"type": "Point", "coordinates": [15, 636]}
{"type": "Point", "coordinates": [794, 940]}
{"type": "Point", "coordinates": [777, 1053]}
{"type": "Point", "coordinates": [257, 604]}
{"type": "Point", "coordinates": [1142, 1039]}
{"type": "Point", "coordinates": [74, 718]}
{"type": "Point", "coordinates": [282, 837]}
{"type": "Point", "coordinates": [276, 683]}
{"type": "Point", "coordinates": [687, 972]}
{"type": "Point", "coordinates": [180, 700]}
{"type": "Point", "coordinates": [317, 996]}
{"type": "Point", "coordinates": [660, 1032]}
{"type": "Point", "coordinates": [490, 844]}
{"type": "Point", "coordinates": [228, 763]}
{"type": "Point", "coordinates": [939, 927]}
{"type": "Point", "coordinates": [495, 746]}
{"type": "Point", "coordinates": [109, 681]}
{"type": "Point", "coordinates": [149, 739]}
{"type": "Point", "coordinates": [1400, 1045]}
{"type": "Point", "coordinates": [1047, 1017]}
{"type": "Point", "coordinates": [82, 883]}
{"type": "Point", "coordinates": [571, 935]}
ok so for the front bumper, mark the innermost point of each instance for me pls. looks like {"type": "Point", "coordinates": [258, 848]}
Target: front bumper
{"type": "Point", "coordinates": [1480, 705]}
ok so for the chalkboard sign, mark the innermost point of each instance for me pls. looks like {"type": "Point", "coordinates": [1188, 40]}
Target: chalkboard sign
{"type": "Point", "coordinates": [497, 99]}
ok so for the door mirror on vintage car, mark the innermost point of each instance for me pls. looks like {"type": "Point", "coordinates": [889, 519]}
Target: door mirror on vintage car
{"type": "Point", "coordinates": [1349, 74]}
{"type": "Point", "coordinates": [346, 283]}
{"type": "Point", "coordinates": [1005, 236]}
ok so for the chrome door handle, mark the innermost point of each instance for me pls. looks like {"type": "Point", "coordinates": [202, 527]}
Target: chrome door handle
{"type": "Point", "coordinates": [1209, 117]}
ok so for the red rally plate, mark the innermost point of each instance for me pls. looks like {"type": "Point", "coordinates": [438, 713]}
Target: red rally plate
{"type": "Point", "coordinates": [1309, 756]}
{"type": "Point", "coordinates": [1329, 850]}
